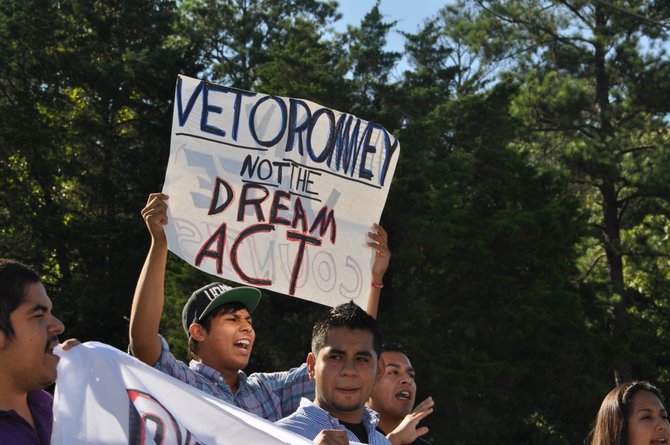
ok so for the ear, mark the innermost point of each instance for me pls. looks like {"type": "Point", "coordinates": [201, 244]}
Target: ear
{"type": "Point", "coordinates": [197, 331]}
{"type": "Point", "coordinates": [311, 365]}
{"type": "Point", "coordinates": [381, 366]}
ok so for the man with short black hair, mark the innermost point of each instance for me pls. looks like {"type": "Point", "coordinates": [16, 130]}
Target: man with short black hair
{"type": "Point", "coordinates": [344, 366]}
{"type": "Point", "coordinates": [28, 335]}
{"type": "Point", "coordinates": [393, 398]}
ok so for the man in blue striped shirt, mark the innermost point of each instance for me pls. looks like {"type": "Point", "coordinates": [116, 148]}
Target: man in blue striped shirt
{"type": "Point", "coordinates": [344, 366]}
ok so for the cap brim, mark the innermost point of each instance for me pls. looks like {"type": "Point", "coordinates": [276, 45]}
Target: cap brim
{"type": "Point", "coordinates": [248, 296]}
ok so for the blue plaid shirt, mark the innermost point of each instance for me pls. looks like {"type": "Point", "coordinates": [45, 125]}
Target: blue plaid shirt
{"type": "Point", "coordinates": [270, 395]}
{"type": "Point", "coordinates": [309, 420]}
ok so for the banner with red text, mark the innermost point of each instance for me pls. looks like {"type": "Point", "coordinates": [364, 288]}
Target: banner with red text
{"type": "Point", "coordinates": [276, 192]}
{"type": "Point", "coordinates": [106, 397]}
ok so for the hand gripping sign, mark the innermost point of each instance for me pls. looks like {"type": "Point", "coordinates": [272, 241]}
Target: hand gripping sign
{"type": "Point", "coordinates": [276, 192]}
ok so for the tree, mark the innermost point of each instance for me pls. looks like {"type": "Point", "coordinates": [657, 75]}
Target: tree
{"type": "Point", "coordinates": [371, 89]}
{"type": "Point", "coordinates": [31, 215]}
{"type": "Point", "coordinates": [234, 35]}
{"type": "Point", "coordinates": [92, 100]}
{"type": "Point", "coordinates": [307, 66]}
{"type": "Point", "coordinates": [587, 70]}
{"type": "Point", "coordinates": [480, 284]}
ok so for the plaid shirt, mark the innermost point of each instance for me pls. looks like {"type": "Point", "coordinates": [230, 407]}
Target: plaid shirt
{"type": "Point", "coordinates": [270, 395]}
{"type": "Point", "coordinates": [309, 420]}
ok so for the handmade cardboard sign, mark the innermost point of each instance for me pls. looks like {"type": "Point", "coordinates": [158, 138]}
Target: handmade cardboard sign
{"type": "Point", "coordinates": [276, 192]}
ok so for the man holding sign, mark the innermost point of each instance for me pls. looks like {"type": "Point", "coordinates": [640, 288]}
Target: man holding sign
{"type": "Point", "coordinates": [218, 323]}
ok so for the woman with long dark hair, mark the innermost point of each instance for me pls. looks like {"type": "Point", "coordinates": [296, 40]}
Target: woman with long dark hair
{"type": "Point", "coordinates": [631, 414]}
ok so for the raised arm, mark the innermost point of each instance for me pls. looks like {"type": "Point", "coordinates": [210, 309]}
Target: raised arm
{"type": "Point", "coordinates": [145, 314]}
{"type": "Point", "coordinates": [379, 242]}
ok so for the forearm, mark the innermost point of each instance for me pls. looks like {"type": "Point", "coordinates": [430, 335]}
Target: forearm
{"type": "Point", "coordinates": [378, 240]}
{"type": "Point", "coordinates": [373, 300]}
{"type": "Point", "coordinates": [148, 302]}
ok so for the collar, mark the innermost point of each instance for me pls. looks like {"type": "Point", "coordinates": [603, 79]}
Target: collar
{"type": "Point", "coordinates": [215, 376]}
{"type": "Point", "coordinates": [370, 417]}
{"type": "Point", "coordinates": [38, 400]}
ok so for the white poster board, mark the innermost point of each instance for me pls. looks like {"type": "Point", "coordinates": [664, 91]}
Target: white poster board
{"type": "Point", "coordinates": [276, 192]}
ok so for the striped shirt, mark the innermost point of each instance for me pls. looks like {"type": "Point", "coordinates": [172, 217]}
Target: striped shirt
{"type": "Point", "coordinates": [271, 395]}
{"type": "Point", "coordinates": [309, 420]}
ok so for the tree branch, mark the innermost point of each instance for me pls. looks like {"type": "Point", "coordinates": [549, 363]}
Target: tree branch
{"type": "Point", "coordinates": [640, 148]}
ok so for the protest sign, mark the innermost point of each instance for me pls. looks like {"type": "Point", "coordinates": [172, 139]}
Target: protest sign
{"type": "Point", "coordinates": [104, 397]}
{"type": "Point", "coordinates": [276, 192]}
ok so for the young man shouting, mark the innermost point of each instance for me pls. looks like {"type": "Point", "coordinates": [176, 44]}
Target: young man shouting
{"type": "Point", "coordinates": [393, 398]}
{"type": "Point", "coordinates": [28, 335]}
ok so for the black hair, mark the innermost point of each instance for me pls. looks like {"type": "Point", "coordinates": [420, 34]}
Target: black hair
{"type": "Point", "coordinates": [347, 315]}
{"type": "Point", "coordinates": [227, 308]}
{"type": "Point", "coordinates": [14, 279]}
{"type": "Point", "coordinates": [389, 346]}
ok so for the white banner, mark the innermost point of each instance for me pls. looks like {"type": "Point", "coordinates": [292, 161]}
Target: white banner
{"type": "Point", "coordinates": [276, 192]}
{"type": "Point", "coordinates": [104, 396]}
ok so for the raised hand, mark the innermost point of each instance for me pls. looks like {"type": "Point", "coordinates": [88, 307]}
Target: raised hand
{"type": "Point", "coordinates": [409, 430]}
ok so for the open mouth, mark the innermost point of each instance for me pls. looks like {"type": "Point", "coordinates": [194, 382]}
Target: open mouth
{"type": "Point", "coordinates": [243, 343]}
{"type": "Point", "coordinates": [403, 395]}
{"type": "Point", "coordinates": [658, 441]}
{"type": "Point", "coordinates": [51, 344]}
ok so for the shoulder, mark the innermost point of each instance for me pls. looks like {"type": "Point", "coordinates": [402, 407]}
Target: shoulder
{"type": "Point", "coordinates": [306, 415]}
{"type": "Point", "coordinates": [296, 422]}
{"type": "Point", "coordinates": [166, 360]}
{"type": "Point", "coordinates": [292, 373]}
{"type": "Point", "coordinates": [302, 424]}
{"type": "Point", "coordinates": [293, 383]}
{"type": "Point", "coordinates": [304, 411]}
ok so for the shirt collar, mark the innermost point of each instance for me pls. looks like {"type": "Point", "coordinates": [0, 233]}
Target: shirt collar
{"type": "Point", "coordinates": [215, 376]}
{"type": "Point", "coordinates": [370, 417]}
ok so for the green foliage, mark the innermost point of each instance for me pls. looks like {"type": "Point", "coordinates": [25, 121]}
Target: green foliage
{"type": "Point", "coordinates": [528, 215]}
{"type": "Point", "coordinates": [595, 122]}
{"type": "Point", "coordinates": [233, 37]}
{"type": "Point", "coordinates": [483, 257]}
{"type": "Point", "coordinates": [77, 119]}
{"type": "Point", "coordinates": [306, 66]}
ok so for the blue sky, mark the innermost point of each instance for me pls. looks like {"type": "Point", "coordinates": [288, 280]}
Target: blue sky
{"type": "Point", "coordinates": [410, 14]}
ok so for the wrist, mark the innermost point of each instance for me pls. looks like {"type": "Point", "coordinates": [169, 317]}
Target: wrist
{"type": "Point", "coordinates": [159, 242]}
{"type": "Point", "coordinates": [377, 277]}
{"type": "Point", "coordinates": [394, 438]}
{"type": "Point", "coordinates": [377, 284]}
